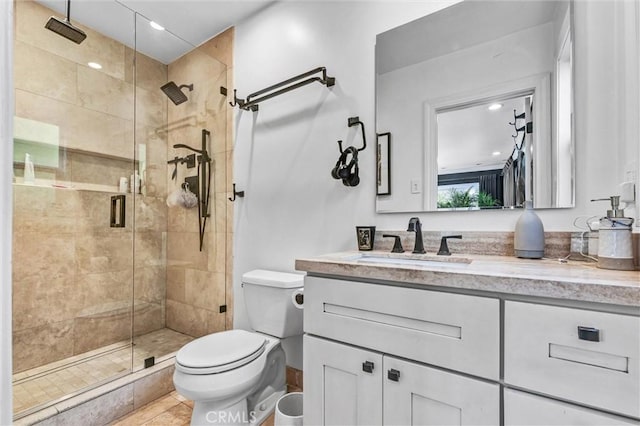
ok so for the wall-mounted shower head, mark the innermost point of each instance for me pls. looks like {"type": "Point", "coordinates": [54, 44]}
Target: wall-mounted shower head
{"type": "Point", "coordinates": [64, 27]}
{"type": "Point", "coordinates": [175, 93]}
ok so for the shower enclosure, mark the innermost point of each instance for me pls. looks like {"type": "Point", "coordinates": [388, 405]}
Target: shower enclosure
{"type": "Point", "coordinates": [107, 278]}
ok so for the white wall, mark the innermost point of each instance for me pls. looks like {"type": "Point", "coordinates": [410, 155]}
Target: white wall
{"type": "Point", "coordinates": [284, 153]}
{"type": "Point", "coordinates": [6, 196]}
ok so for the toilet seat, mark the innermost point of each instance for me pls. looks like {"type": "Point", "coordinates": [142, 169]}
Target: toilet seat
{"type": "Point", "coordinates": [220, 352]}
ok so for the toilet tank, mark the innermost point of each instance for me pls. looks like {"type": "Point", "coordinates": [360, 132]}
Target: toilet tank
{"type": "Point", "coordinates": [268, 296]}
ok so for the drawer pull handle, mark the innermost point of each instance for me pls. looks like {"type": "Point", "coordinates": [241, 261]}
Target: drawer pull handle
{"type": "Point", "coordinates": [393, 375]}
{"type": "Point", "coordinates": [588, 333]}
{"type": "Point", "coordinates": [367, 367]}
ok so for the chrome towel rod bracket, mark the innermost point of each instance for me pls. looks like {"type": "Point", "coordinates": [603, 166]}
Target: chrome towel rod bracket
{"type": "Point", "coordinates": [251, 102]}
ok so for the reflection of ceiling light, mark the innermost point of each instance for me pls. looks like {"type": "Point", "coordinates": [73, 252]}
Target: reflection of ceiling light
{"type": "Point", "coordinates": [495, 107]}
{"type": "Point", "coordinates": [95, 65]}
{"type": "Point", "coordinates": [156, 26]}
{"type": "Point", "coordinates": [496, 153]}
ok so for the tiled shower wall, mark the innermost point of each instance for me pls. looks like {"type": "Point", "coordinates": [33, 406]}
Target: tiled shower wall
{"type": "Point", "coordinates": [199, 282]}
{"type": "Point", "coordinates": [72, 273]}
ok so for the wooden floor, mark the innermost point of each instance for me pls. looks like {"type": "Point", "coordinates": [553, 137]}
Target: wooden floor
{"type": "Point", "coordinates": [170, 410]}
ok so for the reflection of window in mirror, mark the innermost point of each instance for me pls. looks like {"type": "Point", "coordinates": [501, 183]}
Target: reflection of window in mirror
{"type": "Point", "coordinates": [481, 153]}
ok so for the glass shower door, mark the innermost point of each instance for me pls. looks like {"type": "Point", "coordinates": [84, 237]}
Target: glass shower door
{"type": "Point", "coordinates": [73, 211]}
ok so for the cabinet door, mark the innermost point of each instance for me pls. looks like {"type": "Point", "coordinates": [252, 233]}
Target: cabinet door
{"type": "Point", "coordinates": [521, 408]}
{"type": "Point", "coordinates": [418, 395]}
{"type": "Point", "coordinates": [342, 384]}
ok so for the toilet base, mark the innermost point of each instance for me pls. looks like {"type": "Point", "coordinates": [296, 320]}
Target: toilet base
{"type": "Point", "coordinates": [209, 413]}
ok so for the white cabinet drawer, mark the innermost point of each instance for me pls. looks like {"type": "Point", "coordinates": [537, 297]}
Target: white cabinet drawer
{"type": "Point", "coordinates": [543, 352]}
{"type": "Point", "coordinates": [523, 409]}
{"type": "Point", "coordinates": [450, 330]}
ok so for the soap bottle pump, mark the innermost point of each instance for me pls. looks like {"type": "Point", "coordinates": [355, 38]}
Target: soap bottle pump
{"type": "Point", "coordinates": [615, 247]}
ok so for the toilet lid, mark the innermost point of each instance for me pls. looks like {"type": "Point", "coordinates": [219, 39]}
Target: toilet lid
{"type": "Point", "coordinates": [220, 352]}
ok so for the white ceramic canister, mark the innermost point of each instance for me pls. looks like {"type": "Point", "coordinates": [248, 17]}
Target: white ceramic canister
{"type": "Point", "coordinates": [615, 249]}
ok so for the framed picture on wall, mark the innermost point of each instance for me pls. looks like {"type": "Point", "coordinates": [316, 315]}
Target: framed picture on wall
{"type": "Point", "coordinates": [383, 163]}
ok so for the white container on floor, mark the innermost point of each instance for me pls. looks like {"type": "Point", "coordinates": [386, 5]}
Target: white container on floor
{"type": "Point", "coordinates": [289, 410]}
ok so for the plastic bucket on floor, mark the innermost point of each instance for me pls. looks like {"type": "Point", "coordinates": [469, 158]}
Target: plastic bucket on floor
{"type": "Point", "coordinates": [289, 410]}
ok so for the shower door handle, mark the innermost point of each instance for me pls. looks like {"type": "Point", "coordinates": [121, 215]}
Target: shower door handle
{"type": "Point", "coordinates": [118, 211]}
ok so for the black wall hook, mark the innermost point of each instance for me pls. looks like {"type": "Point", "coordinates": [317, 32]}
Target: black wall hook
{"type": "Point", "coordinates": [236, 194]}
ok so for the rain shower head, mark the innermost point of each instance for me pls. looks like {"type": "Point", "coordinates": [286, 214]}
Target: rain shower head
{"type": "Point", "coordinates": [175, 93]}
{"type": "Point", "coordinates": [64, 27]}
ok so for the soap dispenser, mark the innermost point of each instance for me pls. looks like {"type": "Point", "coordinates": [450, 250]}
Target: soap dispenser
{"type": "Point", "coordinates": [615, 247]}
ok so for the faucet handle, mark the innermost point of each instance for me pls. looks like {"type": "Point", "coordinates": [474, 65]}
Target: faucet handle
{"type": "Point", "coordinates": [444, 248]}
{"type": "Point", "coordinates": [397, 245]}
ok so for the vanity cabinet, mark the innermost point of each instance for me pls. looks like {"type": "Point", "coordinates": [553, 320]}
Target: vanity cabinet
{"type": "Point", "coordinates": [384, 353]}
{"type": "Point", "coordinates": [369, 351]}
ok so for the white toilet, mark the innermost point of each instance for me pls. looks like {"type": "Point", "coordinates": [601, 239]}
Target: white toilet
{"type": "Point", "coordinates": [236, 376]}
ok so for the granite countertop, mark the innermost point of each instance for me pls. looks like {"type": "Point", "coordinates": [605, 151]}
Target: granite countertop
{"type": "Point", "coordinates": [575, 280]}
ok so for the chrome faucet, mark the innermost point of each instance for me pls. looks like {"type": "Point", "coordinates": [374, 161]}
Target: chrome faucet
{"type": "Point", "coordinates": [416, 226]}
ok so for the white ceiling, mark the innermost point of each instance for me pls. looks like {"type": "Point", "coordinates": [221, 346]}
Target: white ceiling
{"type": "Point", "coordinates": [188, 23]}
{"type": "Point", "coordinates": [467, 138]}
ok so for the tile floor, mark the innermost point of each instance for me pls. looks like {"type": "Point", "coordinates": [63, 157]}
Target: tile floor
{"type": "Point", "coordinates": [39, 387]}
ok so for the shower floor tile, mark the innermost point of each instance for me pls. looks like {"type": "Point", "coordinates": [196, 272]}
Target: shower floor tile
{"type": "Point", "coordinates": [46, 385]}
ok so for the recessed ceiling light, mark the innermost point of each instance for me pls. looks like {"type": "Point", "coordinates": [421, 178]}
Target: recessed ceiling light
{"type": "Point", "coordinates": [496, 153]}
{"type": "Point", "coordinates": [156, 26]}
{"type": "Point", "coordinates": [495, 107]}
{"type": "Point", "coordinates": [95, 65]}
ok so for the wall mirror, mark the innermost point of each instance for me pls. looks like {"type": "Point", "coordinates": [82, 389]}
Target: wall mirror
{"type": "Point", "coordinates": [478, 98]}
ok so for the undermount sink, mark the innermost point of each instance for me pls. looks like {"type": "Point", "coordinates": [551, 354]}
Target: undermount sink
{"type": "Point", "coordinates": [456, 262]}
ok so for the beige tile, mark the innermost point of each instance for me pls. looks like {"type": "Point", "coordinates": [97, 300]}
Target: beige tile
{"type": "Point", "coordinates": [150, 283]}
{"type": "Point", "coordinates": [104, 252]}
{"type": "Point", "coordinates": [103, 93]}
{"type": "Point", "coordinates": [186, 319]}
{"type": "Point", "coordinates": [220, 216]}
{"type": "Point", "coordinates": [107, 134]}
{"type": "Point", "coordinates": [150, 74]}
{"type": "Point", "coordinates": [204, 289]}
{"type": "Point", "coordinates": [148, 317]}
{"type": "Point", "coordinates": [183, 249]}
{"type": "Point", "coordinates": [220, 172]}
{"type": "Point", "coordinates": [150, 249]}
{"type": "Point", "coordinates": [38, 71]}
{"type": "Point", "coordinates": [220, 47]}
{"type": "Point", "coordinates": [178, 415]}
{"type": "Point", "coordinates": [97, 169]}
{"type": "Point", "coordinates": [40, 345]}
{"type": "Point", "coordinates": [176, 284]}
{"type": "Point", "coordinates": [113, 321]}
{"type": "Point", "coordinates": [30, 19]}
{"type": "Point", "coordinates": [101, 289]}
{"type": "Point", "coordinates": [151, 107]}
{"type": "Point", "coordinates": [151, 214]}
{"type": "Point", "coordinates": [38, 259]}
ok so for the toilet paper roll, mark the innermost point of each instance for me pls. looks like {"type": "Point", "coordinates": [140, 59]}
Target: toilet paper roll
{"type": "Point", "coordinates": [297, 297]}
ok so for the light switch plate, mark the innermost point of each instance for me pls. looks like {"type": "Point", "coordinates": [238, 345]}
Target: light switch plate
{"type": "Point", "coordinates": [416, 188]}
